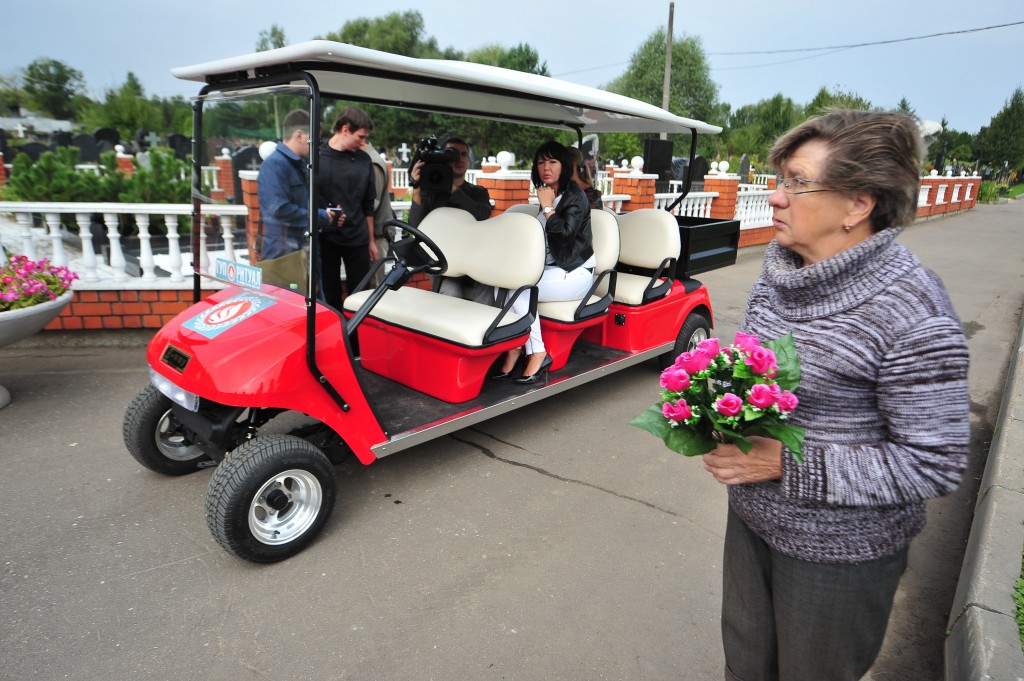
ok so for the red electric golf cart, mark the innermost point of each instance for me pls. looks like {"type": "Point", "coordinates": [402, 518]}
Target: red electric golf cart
{"type": "Point", "coordinates": [264, 345]}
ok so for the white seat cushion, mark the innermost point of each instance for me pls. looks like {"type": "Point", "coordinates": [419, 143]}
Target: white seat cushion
{"type": "Point", "coordinates": [563, 310]}
{"type": "Point", "coordinates": [453, 319]}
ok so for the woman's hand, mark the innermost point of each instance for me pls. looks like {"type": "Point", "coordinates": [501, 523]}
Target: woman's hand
{"type": "Point", "coordinates": [731, 466]}
{"type": "Point", "coordinates": [545, 196]}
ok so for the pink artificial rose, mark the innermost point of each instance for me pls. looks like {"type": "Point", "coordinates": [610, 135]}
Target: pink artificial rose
{"type": "Point", "coordinates": [678, 412]}
{"type": "Point", "coordinates": [761, 396]}
{"type": "Point", "coordinates": [709, 346]}
{"type": "Point", "coordinates": [729, 404]}
{"type": "Point", "coordinates": [746, 342]}
{"type": "Point", "coordinates": [675, 379]}
{"type": "Point", "coordinates": [761, 361]}
{"type": "Point", "coordinates": [787, 402]}
{"type": "Point", "coordinates": [692, 362]}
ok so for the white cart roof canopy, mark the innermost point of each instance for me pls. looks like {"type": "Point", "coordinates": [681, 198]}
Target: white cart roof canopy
{"type": "Point", "coordinates": [462, 88]}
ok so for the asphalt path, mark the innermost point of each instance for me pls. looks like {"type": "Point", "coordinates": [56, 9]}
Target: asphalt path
{"type": "Point", "coordinates": [554, 542]}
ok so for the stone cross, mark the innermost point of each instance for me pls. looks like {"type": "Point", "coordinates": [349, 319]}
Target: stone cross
{"type": "Point", "coordinates": [21, 129]}
{"type": "Point", "coordinates": [403, 151]}
{"type": "Point", "coordinates": [153, 139]}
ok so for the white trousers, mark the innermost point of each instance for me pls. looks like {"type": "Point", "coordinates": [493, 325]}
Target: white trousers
{"type": "Point", "coordinates": [554, 285]}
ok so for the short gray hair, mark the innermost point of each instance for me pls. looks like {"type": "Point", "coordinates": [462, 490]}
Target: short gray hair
{"type": "Point", "coordinates": [875, 152]}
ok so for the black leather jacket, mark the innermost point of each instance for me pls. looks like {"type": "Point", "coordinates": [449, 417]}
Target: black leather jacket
{"type": "Point", "coordinates": [570, 238]}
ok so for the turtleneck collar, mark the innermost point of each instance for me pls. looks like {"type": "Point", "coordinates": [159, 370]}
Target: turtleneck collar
{"type": "Point", "coordinates": [838, 283]}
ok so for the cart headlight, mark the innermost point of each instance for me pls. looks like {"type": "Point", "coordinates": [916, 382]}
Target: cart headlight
{"type": "Point", "coordinates": [172, 392]}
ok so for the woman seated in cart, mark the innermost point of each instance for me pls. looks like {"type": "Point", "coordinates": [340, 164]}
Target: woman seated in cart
{"type": "Point", "coordinates": [569, 265]}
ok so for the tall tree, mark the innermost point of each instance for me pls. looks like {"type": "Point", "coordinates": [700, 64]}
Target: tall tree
{"type": "Point", "coordinates": [271, 39]}
{"type": "Point", "coordinates": [1002, 140]}
{"type": "Point", "coordinates": [835, 98]}
{"type": "Point", "coordinates": [692, 93]}
{"type": "Point", "coordinates": [52, 86]}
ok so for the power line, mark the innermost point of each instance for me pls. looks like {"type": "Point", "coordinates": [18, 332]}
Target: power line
{"type": "Point", "coordinates": [834, 49]}
{"type": "Point", "coordinates": [877, 42]}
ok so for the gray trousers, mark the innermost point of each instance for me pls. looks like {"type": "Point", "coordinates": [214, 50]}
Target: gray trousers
{"type": "Point", "coordinates": [785, 619]}
{"type": "Point", "coordinates": [465, 288]}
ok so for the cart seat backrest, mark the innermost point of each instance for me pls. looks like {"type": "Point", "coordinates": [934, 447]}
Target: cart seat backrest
{"type": "Point", "coordinates": [506, 251]}
{"type": "Point", "coordinates": [648, 238]}
{"type": "Point", "coordinates": [605, 228]}
{"type": "Point", "coordinates": [530, 209]}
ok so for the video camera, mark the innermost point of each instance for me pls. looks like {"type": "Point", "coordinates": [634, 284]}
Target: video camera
{"type": "Point", "coordinates": [436, 173]}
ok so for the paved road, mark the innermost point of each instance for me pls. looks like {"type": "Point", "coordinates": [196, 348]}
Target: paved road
{"type": "Point", "coordinates": [552, 543]}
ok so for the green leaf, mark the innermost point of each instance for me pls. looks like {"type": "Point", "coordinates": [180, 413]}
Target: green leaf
{"type": "Point", "coordinates": [682, 439]}
{"type": "Point", "coordinates": [791, 436]}
{"type": "Point", "coordinates": [788, 373]}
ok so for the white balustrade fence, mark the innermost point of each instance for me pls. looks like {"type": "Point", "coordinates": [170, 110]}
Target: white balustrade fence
{"type": "Point", "coordinates": [177, 262]}
{"type": "Point", "coordinates": [752, 209]}
{"type": "Point", "coordinates": [694, 204]}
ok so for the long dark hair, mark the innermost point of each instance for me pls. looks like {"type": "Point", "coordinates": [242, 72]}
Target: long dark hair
{"type": "Point", "coordinates": [556, 152]}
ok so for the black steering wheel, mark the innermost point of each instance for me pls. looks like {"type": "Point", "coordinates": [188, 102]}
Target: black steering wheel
{"type": "Point", "coordinates": [418, 254]}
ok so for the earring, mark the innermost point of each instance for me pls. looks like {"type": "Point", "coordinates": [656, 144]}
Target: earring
{"type": "Point", "coordinates": [847, 228]}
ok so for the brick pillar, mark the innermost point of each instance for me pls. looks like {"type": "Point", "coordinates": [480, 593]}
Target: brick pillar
{"type": "Point", "coordinates": [640, 189]}
{"type": "Point", "coordinates": [505, 191]}
{"type": "Point", "coordinates": [489, 167]}
{"type": "Point", "coordinates": [974, 185]}
{"type": "Point", "coordinates": [125, 163]}
{"type": "Point", "coordinates": [727, 186]}
{"type": "Point", "coordinates": [225, 180]}
{"type": "Point", "coordinates": [250, 198]}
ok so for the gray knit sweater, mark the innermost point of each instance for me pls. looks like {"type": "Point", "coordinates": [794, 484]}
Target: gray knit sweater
{"type": "Point", "coordinates": [883, 400]}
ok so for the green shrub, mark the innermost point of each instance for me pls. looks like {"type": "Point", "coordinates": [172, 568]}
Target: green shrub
{"type": "Point", "coordinates": [990, 191]}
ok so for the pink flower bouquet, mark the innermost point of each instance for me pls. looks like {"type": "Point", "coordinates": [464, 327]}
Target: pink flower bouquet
{"type": "Point", "coordinates": [727, 394]}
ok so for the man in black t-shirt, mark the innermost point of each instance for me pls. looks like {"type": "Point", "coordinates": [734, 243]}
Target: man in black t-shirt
{"type": "Point", "coordinates": [346, 180]}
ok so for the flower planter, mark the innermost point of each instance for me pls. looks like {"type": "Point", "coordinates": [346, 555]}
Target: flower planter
{"type": "Point", "coordinates": [16, 325]}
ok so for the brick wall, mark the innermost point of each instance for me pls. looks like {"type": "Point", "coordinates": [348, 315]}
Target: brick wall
{"type": "Point", "coordinates": [122, 309]}
{"type": "Point", "coordinates": [505, 192]}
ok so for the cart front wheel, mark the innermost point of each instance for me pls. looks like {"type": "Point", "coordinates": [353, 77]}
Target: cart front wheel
{"type": "Point", "coordinates": [270, 497]}
{"type": "Point", "coordinates": [695, 329]}
{"type": "Point", "coordinates": [156, 439]}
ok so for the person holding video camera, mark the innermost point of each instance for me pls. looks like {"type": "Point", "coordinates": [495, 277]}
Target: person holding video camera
{"type": "Point", "coordinates": [346, 183]}
{"type": "Point", "coordinates": [438, 178]}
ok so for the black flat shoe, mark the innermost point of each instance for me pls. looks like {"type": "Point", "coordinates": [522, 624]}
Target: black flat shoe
{"type": "Point", "coordinates": [542, 371]}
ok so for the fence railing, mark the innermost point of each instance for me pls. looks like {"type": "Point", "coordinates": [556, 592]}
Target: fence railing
{"type": "Point", "coordinates": [694, 204]}
{"type": "Point", "coordinates": [752, 209]}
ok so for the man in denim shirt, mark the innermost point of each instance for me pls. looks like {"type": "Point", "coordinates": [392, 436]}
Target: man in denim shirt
{"type": "Point", "coordinates": [284, 190]}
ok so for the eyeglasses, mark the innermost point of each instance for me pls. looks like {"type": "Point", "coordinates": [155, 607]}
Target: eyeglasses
{"type": "Point", "coordinates": [797, 185]}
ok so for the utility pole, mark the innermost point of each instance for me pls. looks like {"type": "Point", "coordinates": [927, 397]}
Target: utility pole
{"type": "Point", "coordinates": [666, 85]}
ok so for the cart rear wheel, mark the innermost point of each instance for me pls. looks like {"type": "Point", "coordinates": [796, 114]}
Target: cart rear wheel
{"type": "Point", "coordinates": [156, 439]}
{"type": "Point", "coordinates": [270, 497]}
{"type": "Point", "coordinates": [695, 329]}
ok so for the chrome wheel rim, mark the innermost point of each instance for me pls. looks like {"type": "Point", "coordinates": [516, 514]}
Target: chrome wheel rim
{"type": "Point", "coordinates": [171, 440]}
{"type": "Point", "coordinates": [285, 507]}
{"type": "Point", "coordinates": [698, 337]}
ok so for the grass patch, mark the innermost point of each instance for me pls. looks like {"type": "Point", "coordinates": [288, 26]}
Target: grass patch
{"type": "Point", "coordinates": [1018, 598]}
{"type": "Point", "coordinates": [1016, 190]}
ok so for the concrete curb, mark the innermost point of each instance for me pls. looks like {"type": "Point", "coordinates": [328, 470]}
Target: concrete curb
{"type": "Point", "coordinates": [984, 640]}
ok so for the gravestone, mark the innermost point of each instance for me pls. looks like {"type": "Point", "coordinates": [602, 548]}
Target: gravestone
{"type": "Point", "coordinates": [701, 167]}
{"type": "Point", "coordinates": [34, 150]}
{"type": "Point", "coordinates": [61, 138]}
{"type": "Point", "coordinates": [4, 148]}
{"type": "Point", "coordinates": [744, 169]}
{"type": "Point", "coordinates": [180, 145]}
{"type": "Point", "coordinates": [106, 139]}
{"type": "Point", "coordinates": [245, 158]}
{"type": "Point", "coordinates": [88, 152]}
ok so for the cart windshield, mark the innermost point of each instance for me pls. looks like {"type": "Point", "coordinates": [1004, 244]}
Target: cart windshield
{"type": "Point", "coordinates": [252, 204]}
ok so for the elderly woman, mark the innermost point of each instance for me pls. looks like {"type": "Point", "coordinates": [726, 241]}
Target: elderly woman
{"type": "Point", "coordinates": [569, 266]}
{"type": "Point", "coordinates": [814, 550]}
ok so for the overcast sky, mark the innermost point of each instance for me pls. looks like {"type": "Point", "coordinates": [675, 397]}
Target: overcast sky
{"type": "Point", "coordinates": [967, 77]}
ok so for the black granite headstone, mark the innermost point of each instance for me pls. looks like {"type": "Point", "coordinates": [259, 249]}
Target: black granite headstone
{"type": "Point", "coordinates": [245, 158]}
{"type": "Point", "coordinates": [34, 150]}
{"type": "Point", "coordinates": [180, 145]}
{"type": "Point", "coordinates": [88, 151]}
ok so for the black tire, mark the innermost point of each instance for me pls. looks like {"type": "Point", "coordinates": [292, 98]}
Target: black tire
{"type": "Point", "coordinates": [270, 497]}
{"type": "Point", "coordinates": [695, 329]}
{"type": "Point", "coordinates": [156, 439]}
